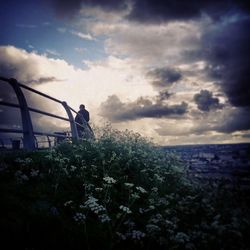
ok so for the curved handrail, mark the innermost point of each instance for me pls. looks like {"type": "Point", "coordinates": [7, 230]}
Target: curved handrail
{"type": "Point", "coordinates": [29, 141]}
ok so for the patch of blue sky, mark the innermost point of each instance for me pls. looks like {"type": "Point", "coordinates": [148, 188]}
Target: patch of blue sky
{"type": "Point", "coordinates": [33, 27]}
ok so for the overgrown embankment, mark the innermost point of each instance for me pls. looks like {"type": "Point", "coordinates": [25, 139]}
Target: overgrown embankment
{"type": "Point", "coordinates": [118, 192]}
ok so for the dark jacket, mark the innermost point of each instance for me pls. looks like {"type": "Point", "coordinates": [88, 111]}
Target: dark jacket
{"type": "Point", "coordinates": [82, 113]}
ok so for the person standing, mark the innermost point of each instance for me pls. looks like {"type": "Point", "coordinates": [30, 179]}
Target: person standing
{"type": "Point", "coordinates": [82, 119]}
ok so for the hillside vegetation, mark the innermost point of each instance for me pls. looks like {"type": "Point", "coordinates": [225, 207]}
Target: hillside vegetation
{"type": "Point", "coordinates": [117, 192]}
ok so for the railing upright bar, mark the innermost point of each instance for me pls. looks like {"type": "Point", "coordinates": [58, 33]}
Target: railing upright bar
{"type": "Point", "coordinates": [49, 141]}
{"type": "Point", "coordinates": [28, 134]}
{"type": "Point", "coordinates": [74, 133]}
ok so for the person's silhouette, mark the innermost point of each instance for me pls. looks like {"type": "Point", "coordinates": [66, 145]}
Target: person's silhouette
{"type": "Point", "coordinates": [82, 119]}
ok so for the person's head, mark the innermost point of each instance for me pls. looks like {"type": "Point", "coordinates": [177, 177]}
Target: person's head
{"type": "Point", "coordinates": [81, 107]}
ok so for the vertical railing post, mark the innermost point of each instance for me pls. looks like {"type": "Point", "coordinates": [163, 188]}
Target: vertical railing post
{"type": "Point", "coordinates": [49, 141]}
{"type": "Point", "coordinates": [28, 134]}
{"type": "Point", "coordinates": [75, 136]}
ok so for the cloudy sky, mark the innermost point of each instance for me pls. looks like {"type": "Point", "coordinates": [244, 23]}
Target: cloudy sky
{"type": "Point", "coordinates": [175, 71]}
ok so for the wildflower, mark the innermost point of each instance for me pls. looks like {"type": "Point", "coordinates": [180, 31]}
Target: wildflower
{"type": "Point", "coordinates": [129, 185]}
{"type": "Point", "coordinates": [137, 235]}
{"type": "Point", "coordinates": [67, 203]}
{"type": "Point", "coordinates": [158, 178]}
{"type": "Point", "coordinates": [154, 189]}
{"type": "Point", "coordinates": [151, 228]}
{"type": "Point", "coordinates": [21, 177]}
{"type": "Point", "coordinates": [72, 168]}
{"type": "Point", "coordinates": [34, 173]}
{"type": "Point", "coordinates": [24, 177]}
{"type": "Point", "coordinates": [142, 190]}
{"type": "Point", "coordinates": [88, 187]}
{"type": "Point", "coordinates": [125, 209]}
{"type": "Point", "coordinates": [121, 236]}
{"type": "Point", "coordinates": [79, 217]}
{"type": "Point", "coordinates": [98, 189]}
{"type": "Point", "coordinates": [141, 210]}
{"type": "Point", "coordinates": [135, 196]}
{"type": "Point", "coordinates": [104, 218]}
{"type": "Point", "coordinates": [109, 180]}
{"type": "Point", "coordinates": [93, 205]}
{"type": "Point", "coordinates": [181, 237]}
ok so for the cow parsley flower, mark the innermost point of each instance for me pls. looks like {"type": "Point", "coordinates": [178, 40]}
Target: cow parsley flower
{"type": "Point", "coordinates": [142, 190]}
{"type": "Point", "coordinates": [67, 203]}
{"type": "Point", "coordinates": [92, 204]}
{"type": "Point", "coordinates": [129, 185]}
{"type": "Point", "coordinates": [137, 235]}
{"type": "Point", "coordinates": [34, 173]}
{"type": "Point", "coordinates": [125, 209]}
{"type": "Point", "coordinates": [181, 237]}
{"type": "Point", "coordinates": [104, 218]}
{"type": "Point", "coordinates": [109, 180]}
{"type": "Point", "coordinates": [72, 168]}
{"type": "Point", "coordinates": [79, 217]}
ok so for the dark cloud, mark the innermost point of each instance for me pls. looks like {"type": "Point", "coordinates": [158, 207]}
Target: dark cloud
{"type": "Point", "coordinates": [165, 10]}
{"type": "Point", "coordinates": [163, 95]}
{"type": "Point", "coordinates": [42, 80]}
{"type": "Point", "coordinates": [70, 8]}
{"type": "Point", "coordinates": [168, 10]}
{"type": "Point", "coordinates": [154, 10]}
{"type": "Point", "coordinates": [237, 120]}
{"type": "Point", "coordinates": [205, 101]}
{"type": "Point", "coordinates": [246, 135]}
{"type": "Point", "coordinates": [226, 48]}
{"type": "Point", "coordinates": [164, 77]}
{"type": "Point", "coordinates": [117, 111]}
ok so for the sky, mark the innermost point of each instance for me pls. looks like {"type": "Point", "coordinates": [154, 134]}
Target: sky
{"type": "Point", "coordinates": [174, 71]}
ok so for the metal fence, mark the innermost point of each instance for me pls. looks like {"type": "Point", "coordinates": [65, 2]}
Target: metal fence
{"type": "Point", "coordinates": [29, 135]}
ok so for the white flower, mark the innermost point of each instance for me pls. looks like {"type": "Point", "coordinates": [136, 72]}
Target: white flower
{"type": "Point", "coordinates": [98, 189]}
{"type": "Point", "coordinates": [142, 190]}
{"type": "Point", "coordinates": [158, 178]}
{"type": "Point", "coordinates": [135, 196]}
{"type": "Point", "coordinates": [67, 203]}
{"type": "Point", "coordinates": [129, 185]}
{"type": "Point", "coordinates": [34, 173]}
{"type": "Point", "coordinates": [21, 177]}
{"type": "Point", "coordinates": [181, 237]}
{"type": "Point", "coordinates": [79, 217]}
{"type": "Point", "coordinates": [104, 218]}
{"type": "Point", "coordinates": [154, 189]}
{"type": "Point", "coordinates": [122, 236]}
{"type": "Point", "coordinates": [125, 209]}
{"type": "Point", "coordinates": [72, 168]}
{"type": "Point", "coordinates": [109, 180]}
{"type": "Point", "coordinates": [152, 228]}
{"type": "Point", "coordinates": [94, 206]}
{"type": "Point", "coordinates": [137, 235]}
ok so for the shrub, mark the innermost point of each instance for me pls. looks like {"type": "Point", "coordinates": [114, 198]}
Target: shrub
{"type": "Point", "coordinates": [117, 192]}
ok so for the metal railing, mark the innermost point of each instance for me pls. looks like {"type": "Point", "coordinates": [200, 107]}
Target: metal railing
{"type": "Point", "coordinates": [29, 135]}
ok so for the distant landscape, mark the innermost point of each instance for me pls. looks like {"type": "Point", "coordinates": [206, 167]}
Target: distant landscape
{"type": "Point", "coordinates": [228, 161]}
